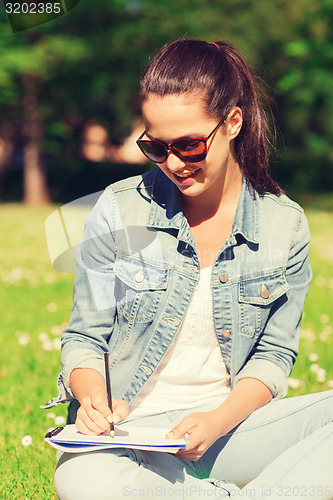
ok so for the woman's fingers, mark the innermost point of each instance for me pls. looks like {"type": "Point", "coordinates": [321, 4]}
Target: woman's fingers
{"type": "Point", "coordinates": [94, 415]}
{"type": "Point", "coordinates": [99, 403]}
{"type": "Point", "coordinates": [120, 410]}
{"type": "Point", "coordinates": [90, 413]}
{"type": "Point", "coordinates": [202, 429]}
{"type": "Point", "coordinates": [91, 421]}
{"type": "Point", "coordinates": [182, 428]}
{"type": "Point", "coordinates": [86, 429]}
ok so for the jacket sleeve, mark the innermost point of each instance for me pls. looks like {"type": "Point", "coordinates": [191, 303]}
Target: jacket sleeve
{"type": "Point", "coordinates": [94, 306]}
{"type": "Point", "coordinates": [274, 354]}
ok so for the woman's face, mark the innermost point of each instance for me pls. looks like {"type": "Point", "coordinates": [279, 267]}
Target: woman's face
{"type": "Point", "coordinates": [175, 117]}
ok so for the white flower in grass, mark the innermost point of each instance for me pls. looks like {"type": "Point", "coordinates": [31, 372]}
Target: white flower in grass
{"type": "Point", "coordinates": [56, 330]}
{"type": "Point", "coordinates": [321, 375]}
{"type": "Point", "coordinates": [315, 367]}
{"type": "Point", "coordinates": [57, 344]}
{"type": "Point", "coordinates": [52, 307]}
{"type": "Point", "coordinates": [47, 346]}
{"type": "Point", "coordinates": [51, 415]}
{"type": "Point", "coordinates": [16, 274]}
{"type": "Point", "coordinates": [23, 338]}
{"type": "Point", "coordinates": [313, 357]}
{"type": "Point", "coordinates": [43, 337]}
{"type": "Point", "coordinates": [294, 383]}
{"type": "Point", "coordinates": [324, 319]}
{"type": "Point", "coordinates": [330, 384]}
{"type": "Point", "coordinates": [308, 335]}
{"type": "Point", "coordinates": [34, 282]}
{"type": "Point", "coordinates": [60, 420]}
{"type": "Point", "coordinates": [324, 335]}
{"type": "Point", "coordinates": [49, 278]}
{"type": "Point", "coordinates": [26, 440]}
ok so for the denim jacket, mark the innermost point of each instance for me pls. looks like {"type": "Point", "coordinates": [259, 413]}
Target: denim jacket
{"type": "Point", "coordinates": [137, 268]}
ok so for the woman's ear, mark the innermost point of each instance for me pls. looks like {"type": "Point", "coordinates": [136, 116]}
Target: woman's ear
{"type": "Point", "coordinates": [234, 122]}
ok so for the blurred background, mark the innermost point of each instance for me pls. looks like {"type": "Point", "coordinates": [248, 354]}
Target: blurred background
{"type": "Point", "coordinates": [70, 110]}
{"type": "Point", "coordinates": [70, 115]}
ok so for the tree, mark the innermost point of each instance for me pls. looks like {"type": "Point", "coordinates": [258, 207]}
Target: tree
{"type": "Point", "coordinates": [86, 65]}
{"type": "Point", "coordinates": [28, 62]}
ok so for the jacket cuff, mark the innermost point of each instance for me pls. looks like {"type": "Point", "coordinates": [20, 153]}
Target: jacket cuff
{"type": "Point", "coordinates": [80, 358]}
{"type": "Point", "coordinates": [83, 358]}
{"type": "Point", "coordinates": [268, 373]}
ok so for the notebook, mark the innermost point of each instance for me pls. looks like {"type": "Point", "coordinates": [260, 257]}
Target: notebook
{"type": "Point", "coordinates": [70, 440]}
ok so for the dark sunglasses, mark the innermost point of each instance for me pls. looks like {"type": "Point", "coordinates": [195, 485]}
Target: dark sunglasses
{"type": "Point", "coordinates": [188, 150]}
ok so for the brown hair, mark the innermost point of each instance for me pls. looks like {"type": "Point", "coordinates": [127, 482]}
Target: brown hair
{"type": "Point", "coordinates": [220, 71]}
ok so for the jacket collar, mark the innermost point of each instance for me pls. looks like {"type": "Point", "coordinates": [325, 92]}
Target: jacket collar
{"type": "Point", "coordinates": [167, 212]}
{"type": "Point", "coordinates": [246, 220]}
{"type": "Point", "coordinates": [166, 206]}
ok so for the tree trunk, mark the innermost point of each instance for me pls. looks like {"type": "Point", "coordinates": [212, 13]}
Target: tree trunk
{"type": "Point", "coordinates": [6, 150]}
{"type": "Point", "coordinates": [35, 187]}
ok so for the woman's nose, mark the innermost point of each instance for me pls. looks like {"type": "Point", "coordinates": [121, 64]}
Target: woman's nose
{"type": "Point", "coordinates": [174, 163]}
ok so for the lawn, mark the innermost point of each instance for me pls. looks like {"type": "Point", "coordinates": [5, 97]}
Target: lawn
{"type": "Point", "coordinates": [35, 305]}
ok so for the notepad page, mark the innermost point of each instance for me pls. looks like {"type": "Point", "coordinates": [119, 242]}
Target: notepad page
{"type": "Point", "coordinates": [125, 435]}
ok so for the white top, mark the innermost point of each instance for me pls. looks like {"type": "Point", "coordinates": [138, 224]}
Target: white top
{"type": "Point", "coordinates": [192, 372]}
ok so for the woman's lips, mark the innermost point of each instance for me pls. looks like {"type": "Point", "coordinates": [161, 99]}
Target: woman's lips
{"type": "Point", "coordinates": [185, 180]}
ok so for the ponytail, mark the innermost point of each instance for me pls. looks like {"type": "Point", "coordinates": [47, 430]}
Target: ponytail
{"type": "Point", "coordinates": [221, 73]}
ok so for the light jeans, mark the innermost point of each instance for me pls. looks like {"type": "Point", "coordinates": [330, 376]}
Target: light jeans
{"type": "Point", "coordinates": [283, 450]}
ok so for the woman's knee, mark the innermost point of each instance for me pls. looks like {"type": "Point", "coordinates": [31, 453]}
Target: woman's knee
{"type": "Point", "coordinates": [90, 476]}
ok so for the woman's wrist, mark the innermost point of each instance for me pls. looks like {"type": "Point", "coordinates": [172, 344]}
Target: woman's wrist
{"type": "Point", "coordinates": [247, 396]}
{"type": "Point", "coordinates": [85, 382]}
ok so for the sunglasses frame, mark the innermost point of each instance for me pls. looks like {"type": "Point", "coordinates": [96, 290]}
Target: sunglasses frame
{"type": "Point", "coordinates": [171, 147]}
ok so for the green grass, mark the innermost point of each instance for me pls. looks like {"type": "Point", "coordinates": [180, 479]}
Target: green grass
{"type": "Point", "coordinates": [317, 325]}
{"type": "Point", "coordinates": [35, 299]}
{"type": "Point", "coordinates": [28, 285]}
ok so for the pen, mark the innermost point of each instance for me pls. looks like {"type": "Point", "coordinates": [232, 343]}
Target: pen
{"type": "Point", "coordinates": [108, 388]}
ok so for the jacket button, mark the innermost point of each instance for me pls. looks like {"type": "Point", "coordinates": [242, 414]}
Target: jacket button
{"type": "Point", "coordinates": [139, 277]}
{"type": "Point", "coordinates": [224, 277]}
{"type": "Point", "coordinates": [146, 369]}
{"type": "Point", "coordinates": [226, 333]}
{"type": "Point", "coordinates": [264, 292]}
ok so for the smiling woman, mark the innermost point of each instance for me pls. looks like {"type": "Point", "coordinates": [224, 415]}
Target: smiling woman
{"type": "Point", "coordinates": [218, 76]}
{"type": "Point", "coordinates": [209, 186]}
{"type": "Point", "coordinates": [193, 277]}
{"type": "Point", "coordinates": [185, 116]}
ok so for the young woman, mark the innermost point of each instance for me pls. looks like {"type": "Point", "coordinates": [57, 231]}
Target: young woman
{"type": "Point", "coordinates": [193, 276]}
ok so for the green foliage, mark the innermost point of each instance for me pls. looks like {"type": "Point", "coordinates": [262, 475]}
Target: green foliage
{"type": "Point", "coordinates": [87, 65]}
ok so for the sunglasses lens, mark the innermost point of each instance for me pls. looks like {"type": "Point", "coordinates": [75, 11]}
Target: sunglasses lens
{"type": "Point", "coordinates": [154, 151]}
{"type": "Point", "coordinates": [190, 150]}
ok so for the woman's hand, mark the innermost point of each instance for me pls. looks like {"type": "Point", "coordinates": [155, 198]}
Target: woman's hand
{"type": "Point", "coordinates": [203, 428]}
{"type": "Point", "coordinates": [94, 415]}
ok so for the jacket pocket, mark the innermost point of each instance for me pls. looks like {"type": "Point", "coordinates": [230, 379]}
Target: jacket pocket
{"type": "Point", "coordinates": [257, 295]}
{"type": "Point", "coordinates": [139, 287]}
